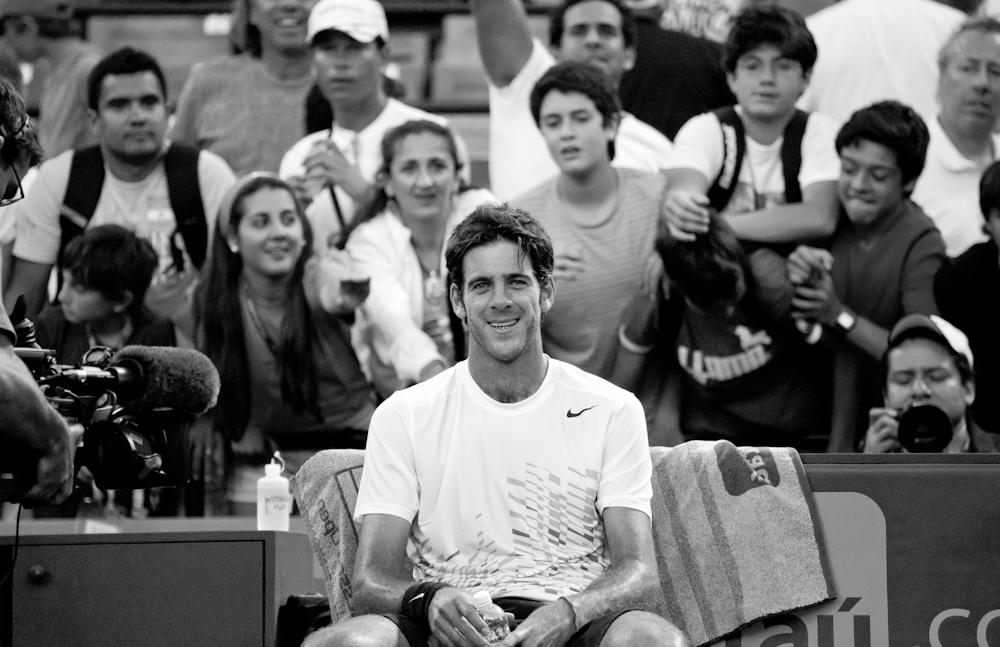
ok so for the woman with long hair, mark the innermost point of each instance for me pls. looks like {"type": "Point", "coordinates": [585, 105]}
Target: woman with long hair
{"type": "Point", "coordinates": [407, 332]}
{"type": "Point", "coordinates": [275, 322]}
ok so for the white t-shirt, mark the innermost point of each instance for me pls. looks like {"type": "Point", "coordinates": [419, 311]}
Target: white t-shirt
{"type": "Point", "coordinates": [507, 496]}
{"type": "Point", "coordinates": [948, 191]}
{"type": "Point", "coordinates": [519, 157]}
{"type": "Point", "coordinates": [699, 146]}
{"type": "Point", "coordinates": [143, 207]}
{"type": "Point", "coordinates": [872, 50]}
{"type": "Point", "coordinates": [363, 150]}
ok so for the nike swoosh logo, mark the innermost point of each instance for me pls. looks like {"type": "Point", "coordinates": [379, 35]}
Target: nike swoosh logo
{"type": "Point", "coordinates": [570, 414]}
{"type": "Point", "coordinates": [416, 597]}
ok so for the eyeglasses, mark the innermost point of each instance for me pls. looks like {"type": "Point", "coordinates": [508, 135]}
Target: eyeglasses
{"type": "Point", "coordinates": [18, 195]}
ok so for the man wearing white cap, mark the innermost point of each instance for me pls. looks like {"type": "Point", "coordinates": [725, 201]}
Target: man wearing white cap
{"type": "Point", "coordinates": [929, 362]}
{"type": "Point", "coordinates": [46, 30]}
{"type": "Point", "coordinates": [348, 40]}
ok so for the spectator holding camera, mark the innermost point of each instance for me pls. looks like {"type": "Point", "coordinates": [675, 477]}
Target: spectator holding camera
{"type": "Point", "coordinates": [883, 257]}
{"type": "Point", "coordinates": [106, 272]}
{"type": "Point", "coordinates": [967, 291]}
{"type": "Point", "coordinates": [928, 366]}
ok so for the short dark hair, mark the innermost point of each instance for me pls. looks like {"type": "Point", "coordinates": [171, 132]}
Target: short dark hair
{"type": "Point", "coordinates": [981, 24]}
{"type": "Point", "coordinates": [893, 125]}
{"type": "Point", "coordinates": [706, 270]}
{"type": "Point", "coordinates": [19, 139]}
{"type": "Point", "coordinates": [989, 190]}
{"type": "Point", "coordinates": [111, 260]}
{"type": "Point", "coordinates": [126, 60]}
{"type": "Point", "coordinates": [558, 14]}
{"type": "Point", "coordinates": [492, 223]}
{"type": "Point", "coordinates": [769, 25]}
{"type": "Point", "coordinates": [570, 76]}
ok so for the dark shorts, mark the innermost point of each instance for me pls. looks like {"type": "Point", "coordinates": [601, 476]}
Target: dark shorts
{"type": "Point", "coordinates": [589, 635]}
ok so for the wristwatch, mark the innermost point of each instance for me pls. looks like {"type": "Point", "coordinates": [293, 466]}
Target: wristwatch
{"type": "Point", "coordinates": [846, 321]}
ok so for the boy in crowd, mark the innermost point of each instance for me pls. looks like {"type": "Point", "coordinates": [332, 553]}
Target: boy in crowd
{"type": "Point", "coordinates": [600, 33]}
{"type": "Point", "coordinates": [770, 168]}
{"type": "Point", "coordinates": [106, 272]}
{"type": "Point", "coordinates": [968, 294]}
{"type": "Point", "coordinates": [884, 256]}
{"type": "Point", "coordinates": [602, 219]}
{"type": "Point", "coordinates": [746, 375]}
{"type": "Point", "coordinates": [336, 167]}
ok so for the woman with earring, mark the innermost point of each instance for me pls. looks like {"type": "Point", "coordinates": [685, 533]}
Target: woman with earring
{"type": "Point", "coordinates": [275, 321]}
{"type": "Point", "coordinates": [406, 332]}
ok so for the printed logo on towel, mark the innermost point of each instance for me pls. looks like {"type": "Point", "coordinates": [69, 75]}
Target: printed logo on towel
{"type": "Point", "coordinates": [746, 468]}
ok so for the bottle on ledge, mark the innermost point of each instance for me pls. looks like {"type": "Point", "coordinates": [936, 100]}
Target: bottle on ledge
{"type": "Point", "coordinates": [274, 500]}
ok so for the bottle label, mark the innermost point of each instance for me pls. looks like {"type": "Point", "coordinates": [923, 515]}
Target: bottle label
{"type": "Point", "coordinates": [278, 504]}
{"type": "Point", "coordinates": [498, 630]}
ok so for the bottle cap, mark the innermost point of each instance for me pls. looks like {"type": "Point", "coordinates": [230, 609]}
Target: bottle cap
{"type": "Point", "coordinates": [273, 468]}
{"type": "Point", "coordinates": [482, 598]}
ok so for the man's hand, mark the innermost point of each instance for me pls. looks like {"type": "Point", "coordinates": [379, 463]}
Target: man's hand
{"type": "Point", "coordinates": [54, 472]}
{"type": "Point", "coordinates": [568, 266]}
{"type": "Point", "coordinates": [454, 620]}
{"type": "Point", "coordinates": [686, 213]}
{"type": "Point", "coordinates": [326, 165]}
{"type": "Point", "coordinates": [806, 261]}
{"type": "Point", "coordinates": [815, 300]}
{"type": "Point", "coordinates": [302, 190]}
{"type": "Point", "coordinates": [548, 626]}
{"type": "Point", "coordinates": [882, 436]}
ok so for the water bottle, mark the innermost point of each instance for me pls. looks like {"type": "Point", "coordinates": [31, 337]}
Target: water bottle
{"type": "Point", "coordinates": [492, 615]}
{"type": "Point", "coordinates": [274, 500]}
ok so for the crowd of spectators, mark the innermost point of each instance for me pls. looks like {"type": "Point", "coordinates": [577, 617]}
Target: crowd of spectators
{"type": "Point", "coordinates": [737, 246]}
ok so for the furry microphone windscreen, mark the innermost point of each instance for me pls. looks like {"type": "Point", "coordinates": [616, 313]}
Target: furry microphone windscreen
{"type": "Point", "coordinates": [179, 378]}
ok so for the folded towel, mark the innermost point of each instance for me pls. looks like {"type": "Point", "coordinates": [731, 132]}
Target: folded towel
{"type": "Point", "coordinates": [736, 537]}
{"type": "Point", "coordinates": [734, 530]}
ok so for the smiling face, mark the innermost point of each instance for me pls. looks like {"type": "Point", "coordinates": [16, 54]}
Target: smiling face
{"type": "Point", "coordinates": [592, 34]}
{"type": "Point", "coordinates": [502, 304]}
{"type": "Point", "coordinates": [270, 236]}
{"type": "Point", "coordinates": [131, 117]}
{"type": "Point", "coordinates": [347, 70]}
{"type": "Point", "coordinates": [282, 23]}
{"type": "Point", "coordinates": [767, 84]}
{"type": "Point", "coordinates": [969, 85]}
{"type": "Point", "coordinates": [870, 184]}
{"type": "Point", "coordinates": [423, 177]}
{"type": "Point", "coordinates": [574, 132]}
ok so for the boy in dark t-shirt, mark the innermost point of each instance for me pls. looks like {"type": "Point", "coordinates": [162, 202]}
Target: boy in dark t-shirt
{"type": "Point", "coordinates": [749, 374]}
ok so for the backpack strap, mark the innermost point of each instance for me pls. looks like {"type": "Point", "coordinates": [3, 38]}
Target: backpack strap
{"type": "Point", "coordinates": [791, 156]}
{"type": "Point", "coordinates": [83, 191]}
{"type": "Point", "coordinates": [180, 165]}
{"type": "Point", "coordinates": [734, 146]}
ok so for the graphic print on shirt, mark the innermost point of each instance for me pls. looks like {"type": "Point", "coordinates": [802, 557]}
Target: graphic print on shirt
{"type": "Point", "coordinates": [725, 353]}
{"type": "Point", "coordinates": [558, 539]}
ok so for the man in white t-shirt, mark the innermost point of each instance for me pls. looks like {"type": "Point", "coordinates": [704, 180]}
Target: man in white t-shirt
{"type": "Point", "coordinates": [349, 41]}
{"type": "Point", "coordinates": [512, 473]}
{"type": "Point", "coordinates": [768, 57]}
{"type": "Point", "coordinates": [598, 32]}
{"type": "Point", "coordinates": [129, 117]}
{"type": "Point", "coordinates": [963, 141]}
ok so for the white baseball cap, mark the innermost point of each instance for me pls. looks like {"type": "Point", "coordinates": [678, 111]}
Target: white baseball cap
{"type": "Point", "coordinates": [938, 328]}
{"type": "Point", "coordinates": [362, 20]}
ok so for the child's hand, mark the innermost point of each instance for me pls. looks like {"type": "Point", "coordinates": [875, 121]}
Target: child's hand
{"type": "Point", "coordinates": [686, 213]}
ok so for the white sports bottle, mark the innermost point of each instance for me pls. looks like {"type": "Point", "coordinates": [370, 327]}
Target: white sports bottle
{"type": "Point", "coordinates": [274, 500]}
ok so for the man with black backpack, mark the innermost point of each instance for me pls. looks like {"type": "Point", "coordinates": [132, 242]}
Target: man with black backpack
{"type": "Point", "coordinates": [769, 168]}
{"type": "Point", "coordinates": [169, 194]}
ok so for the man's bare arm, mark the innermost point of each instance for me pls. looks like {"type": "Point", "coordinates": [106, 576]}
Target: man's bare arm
{"type": "Point", "coordinates": [504, 38]}
{"type": "Point", "coordinates": [30, 279]}
{"type": "Point", "coordinates": [814, 218]}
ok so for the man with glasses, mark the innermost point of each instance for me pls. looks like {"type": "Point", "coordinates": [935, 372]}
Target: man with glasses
{"type": "Point", "coordinates": [26, 419]}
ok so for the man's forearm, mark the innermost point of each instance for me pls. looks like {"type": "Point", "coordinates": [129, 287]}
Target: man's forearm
{"type": "Point", "coordinates": [380, 593]}
{"type": "Point", "coordinates": [26, 414]}
{"type": "Point", "coordinates": [631, 584]}
{"type": "Point", "coordinates": [790, 223]}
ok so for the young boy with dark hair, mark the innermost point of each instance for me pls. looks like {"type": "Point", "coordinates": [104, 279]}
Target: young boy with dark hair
{"type": "Point", "coordinates": [966, 290]}
{"type": "Point", "coordinates": [746, 373]}
{"type": "Point", "coordinates": [106, 272]}
{"type": "Point", "coordinates": [769, 168]}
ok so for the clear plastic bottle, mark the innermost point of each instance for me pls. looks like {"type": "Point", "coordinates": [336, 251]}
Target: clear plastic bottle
{"type": "Point", "coordinates": [274, 500]}
{"type": "Point", "coordinates": [492, 615]}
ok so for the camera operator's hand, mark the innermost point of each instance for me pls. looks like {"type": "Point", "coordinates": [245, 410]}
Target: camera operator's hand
{"type": "Point", "coordinates": [326, 165]}
{"type": "Point", "coordinates": [882, 436]}
{"type": "Point", "coordinates": [54, 471]}
{"type": "Point", "coordinates": [686, 213]}
{"type": "Point", "coordinates": [454, 620]}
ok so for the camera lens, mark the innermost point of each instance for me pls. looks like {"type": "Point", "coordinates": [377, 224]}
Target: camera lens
{"type": "Point", "coordinates": [924, 428]}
